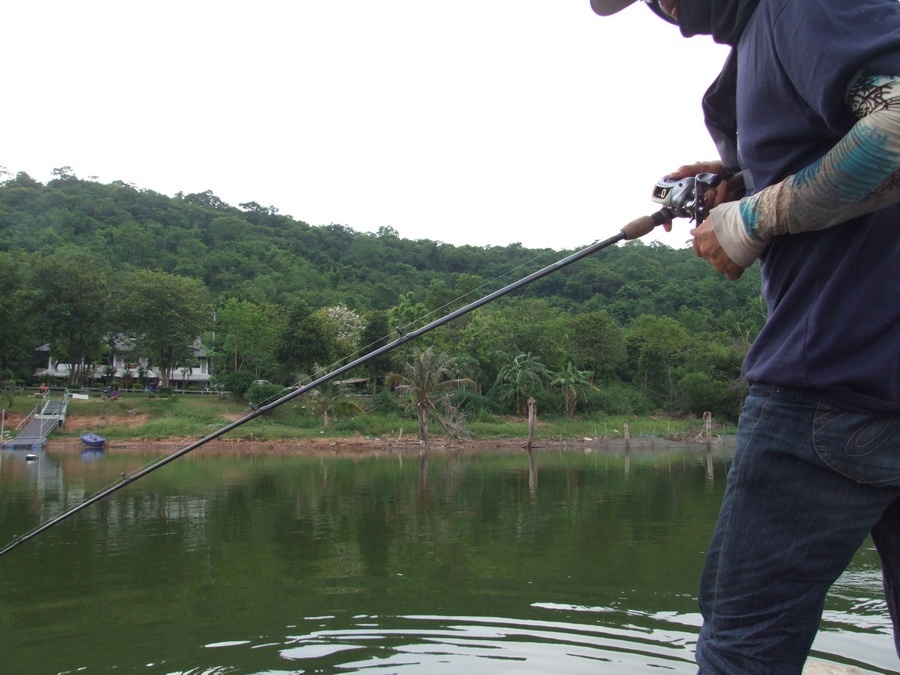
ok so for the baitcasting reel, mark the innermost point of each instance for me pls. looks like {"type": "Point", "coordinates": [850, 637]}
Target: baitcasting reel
{"type": "Point", "coordinates": [684, 198]}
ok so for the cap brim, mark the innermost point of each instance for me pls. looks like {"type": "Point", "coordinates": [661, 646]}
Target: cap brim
{"type": "Point", "coordinates": [607, 7]}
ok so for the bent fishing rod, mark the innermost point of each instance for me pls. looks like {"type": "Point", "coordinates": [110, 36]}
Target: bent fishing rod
{"type": "Point", "coordinates": [680, 199]}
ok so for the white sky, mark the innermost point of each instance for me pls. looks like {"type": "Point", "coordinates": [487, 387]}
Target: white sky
{"type": "Point", "coordinates": [481, 122]}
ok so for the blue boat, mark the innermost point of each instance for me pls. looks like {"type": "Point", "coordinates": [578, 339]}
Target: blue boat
{"type": "Point", "coordinates": [93, 440]}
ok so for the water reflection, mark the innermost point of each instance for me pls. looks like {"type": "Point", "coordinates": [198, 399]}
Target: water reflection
{"type": "Point", "coordinates": [91, 454]}
{"type": "Point", "coordinates": [562, 559]}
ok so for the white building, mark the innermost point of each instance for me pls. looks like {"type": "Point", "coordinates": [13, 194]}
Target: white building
{"type": "Point", "coordinates": [121, 364]}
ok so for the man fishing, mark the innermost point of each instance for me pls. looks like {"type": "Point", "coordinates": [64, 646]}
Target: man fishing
{"type": "Point", "coordinates": [808, 108]}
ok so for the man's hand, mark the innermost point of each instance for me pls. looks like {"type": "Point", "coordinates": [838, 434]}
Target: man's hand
{"type": "Point", "coordinates": [706, 246]}
{"type": "Point", "coordinates": [696, 168]}
{"type": "Point", "coordinates": [713, 197]}
{"type": "Point", "coordinates": [706, 241]}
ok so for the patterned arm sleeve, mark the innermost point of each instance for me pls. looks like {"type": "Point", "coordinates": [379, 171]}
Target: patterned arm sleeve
{"type": "Point", "coordinates": [861, 174]}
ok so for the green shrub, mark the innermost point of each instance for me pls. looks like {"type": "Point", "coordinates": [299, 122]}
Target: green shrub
{"type": "Point", "coordinates": [262, 394]}
{"type": "Point", "coordinates": [351, 425]}
{"type": "Point", "coordinates": [472, 404]}
{"type": "Point", "coordinates": [385, 402]}
{"type": "Point", "coordinates": [236, 383]}
{"type": "Point", "coordinates": [701, 393]}
{"type": "Point", "coordinates": [616, 398]}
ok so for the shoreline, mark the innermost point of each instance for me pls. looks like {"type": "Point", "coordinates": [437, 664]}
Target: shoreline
{"type": "Point", "coordinates": [359, 446]}
{"type": "Point", "coordinates": [294, 446]}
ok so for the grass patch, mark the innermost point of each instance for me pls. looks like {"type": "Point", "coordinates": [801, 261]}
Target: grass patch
{"type": "Point", "coordinates": [135, 416]}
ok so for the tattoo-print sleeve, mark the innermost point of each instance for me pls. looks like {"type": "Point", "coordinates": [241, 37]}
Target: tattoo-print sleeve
{"type": "Point", "coordinates": [861, 174]}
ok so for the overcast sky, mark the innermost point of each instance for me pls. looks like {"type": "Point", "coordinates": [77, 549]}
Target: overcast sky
{"type": "Point", "coordinates": [483, 122]}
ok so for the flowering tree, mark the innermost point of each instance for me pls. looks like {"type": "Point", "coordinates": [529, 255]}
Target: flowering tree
{"type": "Point", "coordinates": [344, 326]}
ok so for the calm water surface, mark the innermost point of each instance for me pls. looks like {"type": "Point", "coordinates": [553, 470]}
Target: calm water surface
{"type": "Point", "coordinates": [581, 561]}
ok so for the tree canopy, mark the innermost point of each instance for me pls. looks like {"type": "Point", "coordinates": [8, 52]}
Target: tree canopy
{"type": "Point", "coordinates": [81, 259]}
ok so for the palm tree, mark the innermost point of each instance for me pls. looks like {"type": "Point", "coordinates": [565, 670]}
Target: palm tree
{"type": "Point", "coordinates": [425, 376]}
{"type": "Point", "coordinates": [572, 382]}
{"type": "Point", "coordinates": [520, 378]}
{"type": "Point", "coordinates": [330, 398]}
{"type": "Point", "coordinates": [334, 398]}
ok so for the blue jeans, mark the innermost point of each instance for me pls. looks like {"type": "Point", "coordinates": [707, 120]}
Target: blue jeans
{"type": "Point", "coordinates": [808, 483]}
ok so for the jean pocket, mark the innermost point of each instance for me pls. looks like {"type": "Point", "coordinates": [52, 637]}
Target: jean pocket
{"type": "Point", "coordinates": [864, 448]}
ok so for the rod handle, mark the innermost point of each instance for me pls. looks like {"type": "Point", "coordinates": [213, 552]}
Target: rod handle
{"type": "Point", "coordinates": [638, 227]}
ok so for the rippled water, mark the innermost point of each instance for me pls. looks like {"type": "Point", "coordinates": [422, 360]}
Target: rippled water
{"type": "Point", "coordinates": [581, 561]}
{"type": "Point", "coordinates": [484, 644]}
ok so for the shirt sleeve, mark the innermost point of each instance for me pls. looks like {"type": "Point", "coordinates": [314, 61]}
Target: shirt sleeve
{"type": "Point", "coordinates": [859, 175]}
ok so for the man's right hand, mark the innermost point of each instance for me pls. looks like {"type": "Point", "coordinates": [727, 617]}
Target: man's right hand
{"type": "Point", "coordinates": [706, 242]}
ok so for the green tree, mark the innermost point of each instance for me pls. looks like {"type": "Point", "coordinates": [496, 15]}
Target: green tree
{"type": "Point", "coordinates": [572, 382]}
{"type": "Point", "coordinates": [73, 292]}
{"type": "Point", "coordinates": [595, 342]}
{"type": "Point", "coordinates": [408, 314]}
{"type": "Point", "coordinates": [17, 339]}
{"type": "Point", "coordinates": [258, 393]}
{"type": "Point", "coordinates": [376, 334]}
{"type": "Point", "coordinates": [464, 290]}
{"type": "Point", "coordinates": [224, 229]}
{"type": "Point", "coordinates": [249, 334]}
{"type": "Point", "coordinates": [333, 398]}
{"type": "Point", "coordinates": [301, 341]}
{"type": "Point", "coordinates": [536, 329]}
{"type": "Point", "coordinates": [167, 313]}
{"type": "Point", "coordinates": [425, 376]}
{"type": "Point", "coordinates": [710, 375]}
{"type": "Point", "coordinates": [438, 296]}
{"type": "Point", "coordinates": [485, 334]}
{"type": "Point", "coordinates": [520, 377]}
{"type": "Point", "coordinates": [655, 347]}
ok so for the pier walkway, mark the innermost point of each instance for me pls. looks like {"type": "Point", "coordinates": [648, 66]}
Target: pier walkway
{"type": "Point", "coordinates": [35, 428]}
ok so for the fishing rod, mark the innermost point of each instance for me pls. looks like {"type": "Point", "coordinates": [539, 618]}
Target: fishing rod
{"type": "Point", "coordinates": [680, 199]}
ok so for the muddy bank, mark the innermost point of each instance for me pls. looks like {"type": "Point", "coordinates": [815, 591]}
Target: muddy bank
{"type": "Point", "coordinates": [362, 446]}
{"type": "Point", "coordinates": [317, 446]}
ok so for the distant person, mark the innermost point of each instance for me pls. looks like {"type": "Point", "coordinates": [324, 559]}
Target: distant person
{"type": "Point", "coordinates": [44, 388]}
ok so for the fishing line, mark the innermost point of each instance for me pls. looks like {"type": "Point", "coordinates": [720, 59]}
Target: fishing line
{"type": "Point", "coordinates": [635, 229]}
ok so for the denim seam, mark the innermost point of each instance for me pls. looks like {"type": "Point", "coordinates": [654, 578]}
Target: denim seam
{"type": "Point", "coordinates": [826, 415]}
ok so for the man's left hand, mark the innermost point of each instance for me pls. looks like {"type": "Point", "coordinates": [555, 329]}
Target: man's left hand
{"type": "Point", "coordinates": [706, 246]}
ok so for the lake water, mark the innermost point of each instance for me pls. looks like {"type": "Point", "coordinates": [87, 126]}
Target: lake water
{"type": "Point", "coordinates": [447, 561]}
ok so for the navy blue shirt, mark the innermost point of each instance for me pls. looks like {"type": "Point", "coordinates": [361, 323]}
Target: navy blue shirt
{"type": "Point", "coordinates": [833, 296]}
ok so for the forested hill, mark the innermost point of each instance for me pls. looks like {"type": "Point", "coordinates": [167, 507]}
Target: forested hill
{"type": "Point", "coordinates": [633, 327]}
{"type": "Point", "coordinates": [253, 252]}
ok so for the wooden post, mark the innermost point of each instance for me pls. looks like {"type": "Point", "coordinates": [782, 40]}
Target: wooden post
{"type": "Point", "coordinates": [532, 420]}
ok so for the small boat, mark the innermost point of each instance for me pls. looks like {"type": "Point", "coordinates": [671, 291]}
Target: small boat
{"type": "Point", "coordinates": [93, 440]}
